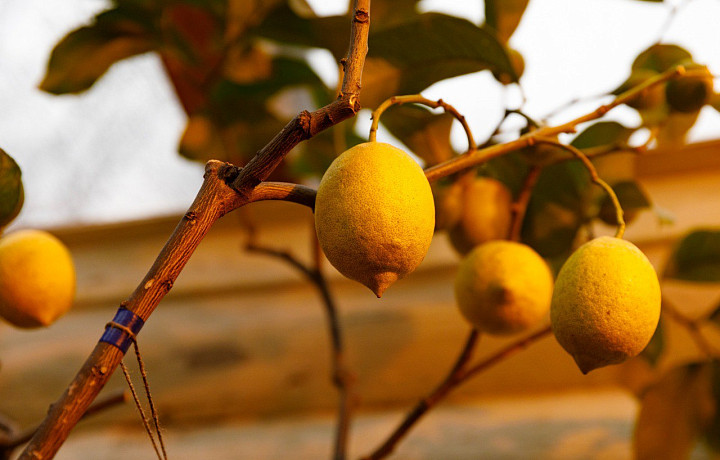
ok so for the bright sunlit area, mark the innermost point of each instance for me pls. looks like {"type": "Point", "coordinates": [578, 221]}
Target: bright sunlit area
{"type": "Point", "coordinates": [111, 153]}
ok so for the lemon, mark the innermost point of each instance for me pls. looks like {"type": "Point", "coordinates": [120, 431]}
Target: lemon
{"type": "Point", "coordinates": [503, 287]}
{"type": "Point", "coordinates": [606, 303]}
{"type": "Point", "coordinates": [486, 214]}
{"type": "Point", "coordinates": [374, 214]}
{"type": "Point", "coordinates": [37, 278]}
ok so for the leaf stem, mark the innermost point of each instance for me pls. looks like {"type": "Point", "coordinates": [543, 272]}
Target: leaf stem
{"type": "Point", "coordinates": [595, 178]}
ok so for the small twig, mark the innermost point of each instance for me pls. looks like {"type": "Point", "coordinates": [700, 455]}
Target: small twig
{"type": "Point", "coordinates": [418, 99]}
{"type": "Point", "coordinates": [474, 158]}
{"type": "Point", "coordinates": [342, 378]}
{"type": "Point", "coordinates": [294, 193]}
{"type": "Point", "coordinates": [459, 374]}
{"type": "Point", "coordinates": [595, 178]}
{"type": "Point", "coordinates": [674, 10]}
{"type": "Point", "coordinates": [693, 328]}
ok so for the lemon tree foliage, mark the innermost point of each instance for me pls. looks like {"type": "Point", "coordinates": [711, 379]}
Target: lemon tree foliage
{"type": "Point", "coordinates": [241, 70]}
{"type": "Point", "coordinates": [12, 194]}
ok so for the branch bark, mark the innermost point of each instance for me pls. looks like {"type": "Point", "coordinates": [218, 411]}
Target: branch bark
{"type": "Point", "coordinates": [225, 188]}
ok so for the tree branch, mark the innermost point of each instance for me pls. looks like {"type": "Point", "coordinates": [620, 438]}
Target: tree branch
{"type": "Point", "coordinates": [225, 188]}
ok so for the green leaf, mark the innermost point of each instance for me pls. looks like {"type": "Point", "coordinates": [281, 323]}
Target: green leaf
{"type": "Point", "coordinates": [85, 54]}
{"type": "Point", "coordinates": [426, 133]}
{"type": "Point", "coordinates": [696, 257]}
{"type": "Point", "coordinates": [654, 349]}
{"type": "Point", "coordinates": [503, 16]}
{"type": "Point", "coordinates": [674, 413]}
{"type": "Point", "coordinates": [557, 209]}
{"type": "Point", "coordinates": [510, 169]}
{"type": "Point", "coordinates": [607, 134]}
{"type": "Point", "coordinates": [11, 189]}
{"type": "Point", "coordinates": [661, 57]}
{"type": "Point", "coordinates": [410, 56]}
{"type": "Point", "coordinates": [285, 25]}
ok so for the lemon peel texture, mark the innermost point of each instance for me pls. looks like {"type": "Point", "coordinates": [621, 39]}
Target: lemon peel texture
{"type": "Point", "coordinates": [503, 287]}
{"type": "Point", "coordinates": [606, 303]}
{"type": "Point", "coordinates": [374, 214]}
{"type": "Point", "coordinates": [37, 278]}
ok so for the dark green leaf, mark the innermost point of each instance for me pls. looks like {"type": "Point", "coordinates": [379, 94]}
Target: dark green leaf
{"type": "Point", "coordinates": [509, 169]}
{"type": "Point", "coordinates": [674, 412]}
{"type": "Point", "coordinates": [503, 16]}
{"type": "Point", "coordinates": [426, 133]}
{"type": "Point", "coordinates": [557, 208]}
{"type": "Point", "coordinates": [284, 25]}
{"type": "Point", "coordinates": [85, 54]}
{"type": "Point", "coordinates": [409, 57]}
{"type": "Point", "coordinates": [606, 134]}
{"type": "Point", "coordinates": [661, 57]}
{"type": "Point", "coordinates": [696, 257]}
{"type": "Point", "coordinates": [11, 189]}
{"type": "Point", "coordinates": [654, 349]}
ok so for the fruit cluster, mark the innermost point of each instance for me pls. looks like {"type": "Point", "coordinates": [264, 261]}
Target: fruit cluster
{"type": "Point", "coordinates": [375, 217]}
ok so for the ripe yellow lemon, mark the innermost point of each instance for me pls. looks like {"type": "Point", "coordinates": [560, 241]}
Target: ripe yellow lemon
{"type": "Point", "coordinates": [606, 303]}
{"type": "Point", "coordinates": [503, 287]}
{"type": "Point", "coordinates": [486, 214]}
{"type": "Point", "coordinates": [374, 214]}
{"type": "Point", "coordinates": [37, 278]}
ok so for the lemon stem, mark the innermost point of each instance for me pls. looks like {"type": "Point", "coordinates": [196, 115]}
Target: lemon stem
{"type": "Point", "coordinates": [595, 178]}
{"type": "Point", "coordinates": [418, 99]}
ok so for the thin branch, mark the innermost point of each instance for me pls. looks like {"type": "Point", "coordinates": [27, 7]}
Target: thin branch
{"type": "Point", "coordinates": [342, 378]}
{"type": "Point", "coordinates": [225, 188]}
{"type": "Point", "coordinates": [459, 374]}
{"type": "Point", "coordinates": [693, 328]}
{"type": "Point", "coordinates": [474, 158]}
{"type": "Point", "coordinates": [294, 193]}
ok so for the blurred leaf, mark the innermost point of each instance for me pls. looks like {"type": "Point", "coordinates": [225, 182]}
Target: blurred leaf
{"type": "Point", "coordinates": [557, 208]}
{"type": "Point", "coordinates": [201, 140]}
{"type": "Point", "coordinates": [661, 57]}
{"type": "Point", "coordinates": [715, 101]}
{"type": "Point", "coordinates": [11, 189]}
{"type": "Point", "coordinates": [654, 349]}
{"type": "Point", "coordinates": [426, 133]}
{"type": "Point", "coordinates": [673, 130]}
{"type": "Point", "coordinates": [503, 16]}
{"type": "Point", "coordinates": [603, 134]}
{"type": "Point", "coordinates": [429, 48]}
{"type": "Point", "coordinates": [674, 412]}
{"type": "Point", "coordinates": [632, 199]}
{"type": "Point", "coordinates": [85, 54]}
{"type": "Point", "coordinates": [696, 257]}
{"type": "Point", "coordinates": [715, 316]}
{"type": "Point", "coordinates": [285, 25]}
{"type": "Point", "coordinates": [510, 169]}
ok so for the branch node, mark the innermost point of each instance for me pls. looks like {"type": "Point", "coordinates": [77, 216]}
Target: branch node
{"type": "Point", "coordinates": [361, 16]}
{"type": "Point", "coordinates": [191, 217]}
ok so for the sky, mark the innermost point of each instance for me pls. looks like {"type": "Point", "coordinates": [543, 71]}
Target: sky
{"type": "Point", "coordinates": [110, 154]}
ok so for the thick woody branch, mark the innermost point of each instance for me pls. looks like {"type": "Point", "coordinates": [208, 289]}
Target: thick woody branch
{"type": "Point", "coordinates": [224, 189]}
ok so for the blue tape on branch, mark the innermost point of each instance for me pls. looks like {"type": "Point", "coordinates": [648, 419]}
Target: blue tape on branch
{"type": "Point", "coordinates": [117, 332]}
